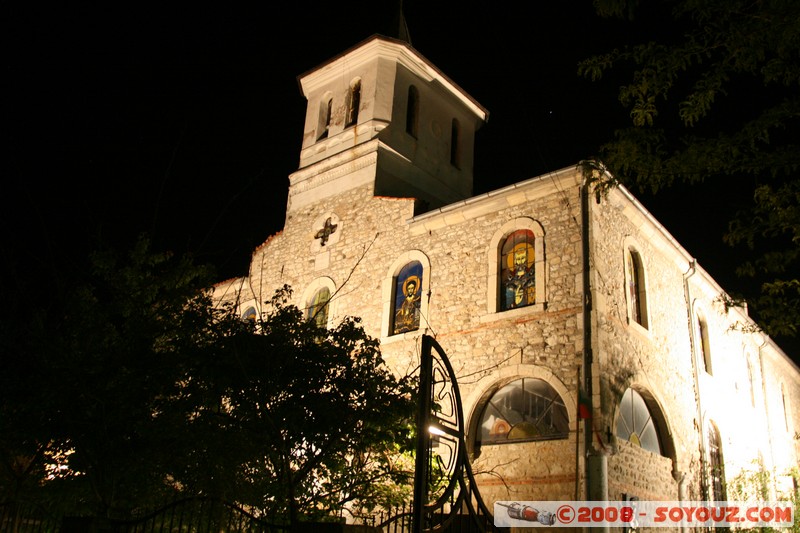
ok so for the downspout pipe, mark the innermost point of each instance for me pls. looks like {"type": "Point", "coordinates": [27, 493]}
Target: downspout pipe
{"type": "Point", "coordinates": [693, 343]}
{"type": "Point", "coordinates": [595, 466]}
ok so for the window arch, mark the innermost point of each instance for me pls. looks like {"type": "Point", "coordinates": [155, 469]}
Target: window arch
{"type": "Point", "coordinates": [317, 301]}
{"type": "Point", "coordinates": [324, 120]}
{"type": "Point", "coordinates": [526, 409]}
{"type": "Point", "coordinates": [635, 422]}
{"type": "Point", "coordinates": [353, 102]}
{"type": "Point", "coordinates": [412, 112]}
{"type": "Point", "coordinates": [455, 143]}
{"type": "Point", "coordinates": [636, 288]}
{"type": "Point", "coordinates": [716, 465]}
{"type": "Point", "coordinates": [517, 267]}
{"type": "Point", "coordinates": [405, 294]}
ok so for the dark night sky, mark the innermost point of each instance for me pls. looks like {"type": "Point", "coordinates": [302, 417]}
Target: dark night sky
{"type": "Point", "coordinates": [185, 121]}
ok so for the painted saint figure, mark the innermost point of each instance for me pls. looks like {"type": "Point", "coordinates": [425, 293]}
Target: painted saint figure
{"type": "Point", "coordinates": [518, 276]}
{"type": "Point", "coordinates": [407, 317]}
{"type": "Point", "coordinates": [408, 298]}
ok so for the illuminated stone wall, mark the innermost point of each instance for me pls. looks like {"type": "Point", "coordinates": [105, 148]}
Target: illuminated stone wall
{"type": "Point", "coordinates": [742, 385]}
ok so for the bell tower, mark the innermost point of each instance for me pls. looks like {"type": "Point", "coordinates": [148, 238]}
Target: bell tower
{"type": "Point", "coordinates": [382, 114]}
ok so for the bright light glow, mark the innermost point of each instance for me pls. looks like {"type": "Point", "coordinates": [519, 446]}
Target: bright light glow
{"type": "Point", "coordinates": [433, 430]}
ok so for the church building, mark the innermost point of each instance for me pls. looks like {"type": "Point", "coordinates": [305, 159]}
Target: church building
{"type": "Point", "coordinates": [593, 355]}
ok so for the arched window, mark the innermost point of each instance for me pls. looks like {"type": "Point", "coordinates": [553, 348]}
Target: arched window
{"type": "Point", "coordinates": [525, 409]}
{"type": "Point", "coordinates": [324, 121]}
{"type": "Point", "coordinates": [636, 424]}
{"type": "Point", "coordinates": [317, 308]}
{"type": "Point", "coordinates": [249, 313]}
{"type": "Point", "coordinates": [455, 144]}
{"type": "Point", "coordinates": [518, 270]}
{"type": "Point", "coordinates": [716, 465]}
{"type": "Point", "coordinates": [406, 299]}
{"type": "Point", "coordinates": [412, 111]}
{"type": "Point", "coordinates": [750, 380]}
{"type": "Point", "coordinates": [637, 294]}
{"type": "Point", "coordinates": [353, 102]}
{"type": "Point", "coordinates": [784, 403]}
{"type": "Point", "coordinates": [703, 345]}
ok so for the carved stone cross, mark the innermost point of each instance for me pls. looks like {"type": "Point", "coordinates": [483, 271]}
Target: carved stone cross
{"type": "Point", "coordinates": [327, 230]}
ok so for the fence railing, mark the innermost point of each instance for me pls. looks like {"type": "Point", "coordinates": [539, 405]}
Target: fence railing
{"type": "Point", "coordinates": [25, 518]}
{"type": "Point", "coordinates": [190, 515]}
{"type": "Point", "coordinates": [198, 515]}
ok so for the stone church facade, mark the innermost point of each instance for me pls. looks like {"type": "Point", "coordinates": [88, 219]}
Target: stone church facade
{"type": "Point", "coordinates": [542, 293]}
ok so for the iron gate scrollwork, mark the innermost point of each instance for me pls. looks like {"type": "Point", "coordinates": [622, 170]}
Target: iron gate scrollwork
{"type": "Point", "coordinates": [445, 491]}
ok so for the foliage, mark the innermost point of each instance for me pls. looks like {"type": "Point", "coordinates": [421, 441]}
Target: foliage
{"type": "Point", "coordinates": [311, 419]}
{"type": "Point", "coordinates": [84, 377]}
{"type": "Point", "coordinates": [753, 485]}
{"type": "Point", "coordinates": [714, 96]}
{"type": "Point", "coordinates": [140, 390]}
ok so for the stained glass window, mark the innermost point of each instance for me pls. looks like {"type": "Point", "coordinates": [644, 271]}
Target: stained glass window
{"type": "Point", "coordinates": [407, 298]}
{"type": "Point", "coordinates": [525, 409]}
{"type": "Point", "coordinates": [318, 307]}
{"type": "Point", "coordinates": [636, 424]}
{"type": "Point", "coordinates": [517, 270]}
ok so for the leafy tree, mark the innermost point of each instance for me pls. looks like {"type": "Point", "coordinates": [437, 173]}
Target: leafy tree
{"type": "Point", "coordinates": [714, 96]}
{"type": "Point", "coordinates": [139, 389]}
{"type": "Point", "coordinates": [310, 421]}
{"type": "Point", "coordinates": [109, 352]}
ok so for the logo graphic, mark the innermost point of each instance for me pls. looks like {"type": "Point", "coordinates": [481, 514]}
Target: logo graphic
{"type": "Point", "coordinates": [518, 511]}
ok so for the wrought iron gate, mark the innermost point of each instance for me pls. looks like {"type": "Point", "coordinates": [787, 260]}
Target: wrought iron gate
{"type": "Point", "coordinates": [446, 496]}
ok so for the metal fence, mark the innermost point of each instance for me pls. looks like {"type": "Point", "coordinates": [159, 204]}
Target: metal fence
{"type": "Point", "coordinates": [24, 518]}
{"type": "Point", "coordinates": [199, 515]}
{"type": "Point", "coordinates": [191, 515]}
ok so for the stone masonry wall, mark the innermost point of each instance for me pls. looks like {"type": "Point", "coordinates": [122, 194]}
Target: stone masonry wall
{"type": "Point", "coordinates": [486, 349]}
{"type": "Point", "coordinates": [489, 349]}
{"type": "Point", "coordinates": [656, 361]}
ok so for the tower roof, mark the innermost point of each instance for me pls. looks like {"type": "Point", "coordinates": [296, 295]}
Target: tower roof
{"type": "Point", "coordinates": [402, 52]}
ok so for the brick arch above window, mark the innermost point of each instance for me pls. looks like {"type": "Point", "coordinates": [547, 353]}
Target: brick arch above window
{"type": "Point", "coordinates": [532, 283]}
{"type": "Point", "coordinates": [389, 292]}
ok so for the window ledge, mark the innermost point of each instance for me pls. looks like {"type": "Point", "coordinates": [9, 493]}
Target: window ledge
{"type": "Point", "coordinates": [514, 313]}
{"type": "Point", "coordinates": [639, 329]}
{"type": "Point", "coordinates": [389, 339]}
